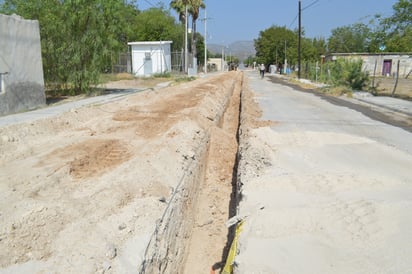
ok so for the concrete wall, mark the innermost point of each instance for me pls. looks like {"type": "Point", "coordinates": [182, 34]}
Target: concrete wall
{"type": "Point", "coordinates": [370, 59]}
{"type": "Point", "coordinates": [405, 64]}
{"type": "Point", "coordinates": [218, 63]}
{"type": "Point", "coordinates": [21, 68]}
{"type": "Point", "coordinates": [149, 58]}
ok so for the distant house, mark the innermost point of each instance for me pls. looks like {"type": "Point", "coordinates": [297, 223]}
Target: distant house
{"type": "Point", "coordinates": [21, 67]}
{"type": "Point", "coordinates": [383, 64]}
{"type": "Point", "coordinates": [216, 64]}
{"type": "Point", "coordinates": [150, 58]}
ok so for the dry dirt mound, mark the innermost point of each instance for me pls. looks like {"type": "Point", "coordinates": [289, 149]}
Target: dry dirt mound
{"type": "Point", "coordinates": [83, 192]}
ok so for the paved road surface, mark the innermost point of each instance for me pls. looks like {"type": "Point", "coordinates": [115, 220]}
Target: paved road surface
{"type": "Point", "coordinates": [325, 188]}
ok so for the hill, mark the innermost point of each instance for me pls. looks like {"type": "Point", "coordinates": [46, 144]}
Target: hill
{"type": "Point", "coordinates": [240, 49]}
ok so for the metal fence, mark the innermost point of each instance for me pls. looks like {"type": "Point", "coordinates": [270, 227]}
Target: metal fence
{"type": "Point", "coordinates": [123, 62]}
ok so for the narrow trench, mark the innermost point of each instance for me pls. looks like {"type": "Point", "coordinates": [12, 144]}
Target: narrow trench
{"type": "Point", "coordinates": [234, 198]}
{"type": "Point", "coordinates": [217, 198]}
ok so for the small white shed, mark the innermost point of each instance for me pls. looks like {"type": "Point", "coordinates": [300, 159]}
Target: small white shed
{"type": "Point", "coordinates": [149, 58]}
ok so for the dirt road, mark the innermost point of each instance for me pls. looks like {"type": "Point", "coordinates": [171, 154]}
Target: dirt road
{"type": "Point", "coordinates": [146, 183]}
{"type": "Point", "coordinates": [113, 188]}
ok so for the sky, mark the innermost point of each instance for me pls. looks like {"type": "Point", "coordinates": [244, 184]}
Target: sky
{"type": "Point", "coordinates": [229, 21]}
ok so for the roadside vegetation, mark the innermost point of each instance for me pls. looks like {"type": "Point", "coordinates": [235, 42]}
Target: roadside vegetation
{"type": "Point", "coordinates": [382, 34]}
{"type": "Point", "coordinates": [82, 39]}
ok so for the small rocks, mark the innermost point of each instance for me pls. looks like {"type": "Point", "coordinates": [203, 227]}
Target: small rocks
{"type": "Point", "coordinates": [208, 222]}
{"type": "Point", "coordinates": [111, 251]}
{"type": "Point", "coordinates": [9, 139]}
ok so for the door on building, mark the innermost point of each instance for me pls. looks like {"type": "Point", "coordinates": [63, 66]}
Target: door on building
{"type": "Point", "coordinates": [148, 66]}
{"type": "Point", "coordinates": [387, 67]}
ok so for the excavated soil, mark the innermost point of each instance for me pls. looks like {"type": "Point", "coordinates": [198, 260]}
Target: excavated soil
{"type": "Point", "coordinates": [140, 184]}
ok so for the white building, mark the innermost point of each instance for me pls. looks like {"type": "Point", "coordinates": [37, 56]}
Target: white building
{"type": "Point", "coordinates": [150, 58]}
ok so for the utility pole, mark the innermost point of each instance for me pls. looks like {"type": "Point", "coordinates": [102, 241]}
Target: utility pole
{"type": "Point", "coordinates": [186, 55]}
{"type": "Point", "coordinates": [286, 61]}
{"type": "Point", "coordinates": [300, 36]}
{"type": "Point", "coordinates": [205, 42]}
{"type": "Point", "coordinates": [205, 20]}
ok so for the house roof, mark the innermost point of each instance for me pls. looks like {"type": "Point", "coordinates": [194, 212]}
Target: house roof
{"type": "Point", "coordinates": [149, 43]}
{"type": "Point", "coordinates": [368, 54]}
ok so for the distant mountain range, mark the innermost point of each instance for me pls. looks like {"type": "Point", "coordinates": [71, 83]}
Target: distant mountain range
{"type": "Point", "coordinates": [240, 49]}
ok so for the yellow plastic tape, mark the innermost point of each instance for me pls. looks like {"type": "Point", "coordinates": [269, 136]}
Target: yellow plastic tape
{"type": "Point", "coordinates": [228, 269]}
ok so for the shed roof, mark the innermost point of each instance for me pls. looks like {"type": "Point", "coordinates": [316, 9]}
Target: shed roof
{"type": "Point", "coordinates": [149, 43]}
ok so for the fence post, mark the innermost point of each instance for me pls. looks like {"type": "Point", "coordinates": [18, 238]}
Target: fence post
{"type": "Point", "coordinates": [396, 79]}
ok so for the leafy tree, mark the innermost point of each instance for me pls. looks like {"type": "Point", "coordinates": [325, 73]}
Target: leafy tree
{"type": "Point", "coordinates": [398, 27]}
{"type": "Point", "coordinates": [156, 24]}
{"type": "Point", "coordinates": [78, 37]}
{"type": "Point", "coordinates": [270, 45]}
{"type": "Point", "coordinates": [200, 48]}
{"type": "Point", "coordinates": [352, 38]}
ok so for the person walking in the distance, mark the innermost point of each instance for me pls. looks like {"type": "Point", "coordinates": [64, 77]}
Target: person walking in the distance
{"type": "Point", "coordinates": [262, 70]}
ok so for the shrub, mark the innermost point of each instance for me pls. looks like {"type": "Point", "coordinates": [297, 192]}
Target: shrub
{"type": "Point", "coordinates": [349, 73]}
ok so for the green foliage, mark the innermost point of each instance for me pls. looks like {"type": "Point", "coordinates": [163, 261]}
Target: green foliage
{"type": "Point", "coordinates": [156, 24]}
{"type": "Point", "coordinates": [185, 79]}
{"type": "Point", "coordinates": [349, 73]}
{"type": "Point", "coordinates": [82, 38]}
{"type": "Point", "coordinates": [398, 28]}
{"type": "Point", "coordinates": [277, 43]}
{"type": "Point", "coordinates": [345, 73]}
{"type": "Point", "coordinates": [79, 37]}
{"type": "Point", "coordinates": [352, 38]}
{"type": "Point", "coordinates": [395, 32]}
{"type": "Point", "coordinates": [162, 75]}
{"type": "Point", "coordinates": [270, 45]}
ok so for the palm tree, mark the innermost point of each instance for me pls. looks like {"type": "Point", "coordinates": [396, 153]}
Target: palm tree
{"type": "Point", "coordinates": [179, 6]}
{"type": "Point", "coordinates": [194, 7]}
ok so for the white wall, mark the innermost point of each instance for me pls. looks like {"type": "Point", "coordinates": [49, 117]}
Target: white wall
{"type": "Point", "coordinates": [21, 67]}
{"type": "Point", "coordinates": [160, 58]}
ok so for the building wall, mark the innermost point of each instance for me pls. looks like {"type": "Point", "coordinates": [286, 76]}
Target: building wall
{"type": "Point", "coordinates": [21, 68]}
{"type": "Point", "coordinates": [217, 62]}
{"type": "Point", "coordinates": [150, 58]}
{"type": "Point", "coordinates": [386, 63]}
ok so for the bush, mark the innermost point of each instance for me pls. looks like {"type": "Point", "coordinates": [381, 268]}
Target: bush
{"type": "Point", "coordinates": [344, 73]}
{"type": "Point", "coordinates": [349, 73]}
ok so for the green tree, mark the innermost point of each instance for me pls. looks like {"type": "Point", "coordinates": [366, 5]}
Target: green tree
{"type": "Point", "coordinates": [398, 27]}
{"type": "Point", "coordinates": [193, 7]}
{"type": "Point", "coordinates": [273, 43]}
{"type": "Point", "coordinates": [352, 38]}
{"type": "Point", "coordinates": [79, 37]}
{"type": "Point", "coordinates": [156, 24]}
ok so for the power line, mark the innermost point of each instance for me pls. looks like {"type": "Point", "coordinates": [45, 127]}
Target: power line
{"type": "Point", "coordinates": [310, 5]}
{"type": "Point", "coordinates": [294, 20]}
